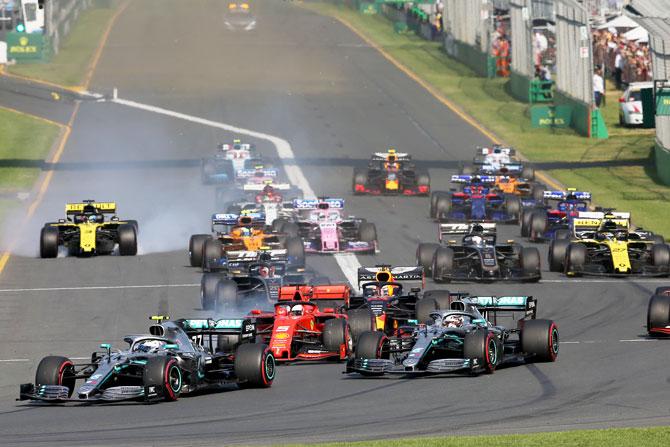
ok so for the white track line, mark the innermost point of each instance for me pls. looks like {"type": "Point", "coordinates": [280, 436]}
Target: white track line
{"type": "Point", "coordinates": [57, 289]}
{"type": "Point", "coordinates": [347, 262]}
{"type": "Point", "coordinates": [610, 280]}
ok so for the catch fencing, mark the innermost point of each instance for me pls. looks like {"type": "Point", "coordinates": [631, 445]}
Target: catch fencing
{"type": "Point", "coordinates": [60, 17]}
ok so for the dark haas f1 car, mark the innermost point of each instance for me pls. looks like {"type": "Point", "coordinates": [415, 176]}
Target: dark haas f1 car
{"type": "Point", "coordinates": [603, 244]}
{"type": "Point", "coordinates": [323, 228]}
{"type": "Point", "coordinates": [391, 173]}
{"type": "Point", "coordinates": [498, 160]}
{"type": "Point", "coordinates": [545, 221]}
{"type": "Point", "coordinates": [85, 231]}
{"type": "Point", "coordinates": [175, 358]}
{"type": "Point", "coordinates": [249, 285]}
{"type": "Point", "coordinates": [478, 257]}
{"type": "Point", "coordinates": [236, 241]}
{"type": "Point", "coordinates": [658, 313]}
{"type": "Point", "coordinates": [463, 338]}
{"type": "Point", "coordinates": [227, 161]}
{"type": "Point", "coordinates": [478, 201]}
{"type": "Point", "coordinates": [307, 324]}
{"type": "Point", "coordinates": [384, 299]}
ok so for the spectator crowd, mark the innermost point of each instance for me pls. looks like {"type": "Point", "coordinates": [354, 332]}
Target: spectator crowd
{"type": "Point", "coordinates": [624, 60]}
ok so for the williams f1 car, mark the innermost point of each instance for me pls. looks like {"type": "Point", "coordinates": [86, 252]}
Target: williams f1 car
{"type": "Point", "coordinates": [227, 161]}
{"type": "Point", "coordinates": [478, 257]}
{"type": "Point", "coordinates": [175, 358]}
{"type": "Point", "coordinates": [391, 173]}
{"type": "Point", "coordinates": [463, 337]}
{"type": "Point", "coordinates": [85, 231]}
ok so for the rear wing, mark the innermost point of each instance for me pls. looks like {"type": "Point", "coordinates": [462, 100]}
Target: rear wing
{"type": "Point", "coordinates": [386, 273]}
{"type": "Point", "coordinates": [237, 146]}
{"type": "Point", "coordinates": [101, 207]}
{"type": "Point", "coordinates": [313, 204]}
{"type": "Point", "coordinates": [266, 172]}
{"type": "Point", "coordinates": [233, 219]}
{"type": "Point", "coordinates": [205, 332]}
{"type": "Point", "coordinates": [383, 156]}
{"type": "Point", "coordinates": [592, 220]}
{"type": "Point", "coordinates": [446, 229]}
{"type": "Point", "coordinates": [277, 255]}
{"type": "Point", "coordinates": [336, 294]}
{"type": "Point", "coordinates": [261, 186]}
{"type": "Point", "coordinates": [564, 195]}
{"type": "Point", "coordinates": [465, 178]}
{"type": "Point", "coordinates": [493, 305]}
{"type": "Point", "coordinates": [496, 150]}
{"type": "Point", "coordinates": [489, 166]}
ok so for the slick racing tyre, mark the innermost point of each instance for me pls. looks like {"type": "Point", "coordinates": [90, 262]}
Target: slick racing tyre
{"type": "Point", "coordinates": [226, 296]}
{"type": "Point", "coordinates": [295, 251]}
{"type": "Point", "coordinates": [484, 347]}
{"type": "Point", "coordinates": [367, 232]}
{"type": "Point", "coordinates": [424, 256]}
{"type": "Point", "coordinates": [423, 179]}
{"type": "Point", "coordinates": [539, 340]}
{"type": "Point", "coordinates": [538, 226]}
{"type": "Point", "coordinates": [360, 321]}
{"type": "Point", "coordinates": [335, 333]}
{"type": "Point", "coordinates": [424, 308]}
{"type": "Point", "coordinates": [575, 258]}
{"type": "Point", "coordinates": [127, 240]}
{"type": "Point", "coordinates": [371, 345]}
{"type": "Point", "coordinates": [658, 314]}
{"type": "Point", "coordinates": [49, 242]}
{"type": "Point", "coordinates": [208, 290]}
{"type": "Point", "coordinates": [442, 207]}
{"type": "Point", "coordinates": [196, 247]}
{"type": "Point", "coordinates": [360, 179]}
{"type": "Point", "coordinates": [291, 229]}
{"type": "Point", "coordinates": [660, 255]}
{"type": "Point", "coordinates": [255, 365]}
{"type": "Point", "coordinates": [134, 224]}
{"type": "Point", "coordinates": [56, 370]}
{"type": "Point", "coordinates": [538, 193]}
{"type": "Point", "coordinates": [558, 248]}
{"type": "Point", "coordinates": [513, 206]}
{"type": "Point", "coordinates": [433, 202]}
{"type": "Point", "coordinates": [529, 259]}
{"type": "Point", "coordinates": [164, 374]}
{"type": "Point", "coordinates": [528, 173]}
{"type": "Point", "coordinates": [443, 264]}
{"type": "Point", "coordinates": [441, 297]}
{"type": "Point", "coordinates": [212, 252]}
{"type": "Point", "coordinates": [278, 224]}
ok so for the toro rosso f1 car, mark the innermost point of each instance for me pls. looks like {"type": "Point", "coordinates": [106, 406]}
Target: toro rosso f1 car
{"type": "Point", "coordinates": [478, 257]}
{"type": "Point", "coordinates": [462, 337]}
{"type": "Point", "coordinates": [85, 231]}
{"type": "Point", "coordinates": [544, 221]}
{"type": "Point", "coordinates": [603, 244]}
{"type": "Point", "coordinates": [175, 358]}
{"type": "Point", "coordinates": [307, 324]}
{"type": "Point", "coordinates": [391, 173]}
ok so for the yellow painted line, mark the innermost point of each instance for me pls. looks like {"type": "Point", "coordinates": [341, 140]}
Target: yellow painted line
{"type": "Point", "coordinates": [439, 96]}
{"type": "Point", "coordinates": [30, 115]}
{"type": "Point", "coordinates": [73, 89]}
{"type": "Point", "coordinates": [101, 45]}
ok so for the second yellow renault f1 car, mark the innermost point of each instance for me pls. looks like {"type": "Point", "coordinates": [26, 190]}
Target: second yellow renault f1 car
{"type": "Point", "coordinates": [85, 231]}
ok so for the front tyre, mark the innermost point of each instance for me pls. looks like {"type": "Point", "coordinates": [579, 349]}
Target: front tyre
{"type": "Point", "coordinates": [165, 376]}
{"type": "Point", "coordinates": [483, 347]}
{"type": "Point", "coordinates": [539, 340]}
{"type": "Point", "coordinates": [127, 240]}
{"type": "Point", "coordinates": [56, 370]}
{"type": "Point", "coordinates": [255, 365]}
{"type": "Point", "coordinates": [49, 242]}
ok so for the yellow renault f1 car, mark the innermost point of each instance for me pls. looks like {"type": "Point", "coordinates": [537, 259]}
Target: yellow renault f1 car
{"type": "Point", "coordinates": [603, 243]}
{"type": "Point", "coordinates": [86, 231]}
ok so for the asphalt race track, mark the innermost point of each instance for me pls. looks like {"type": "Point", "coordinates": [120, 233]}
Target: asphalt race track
{"type": "Point", "coordinates": [309, 80]}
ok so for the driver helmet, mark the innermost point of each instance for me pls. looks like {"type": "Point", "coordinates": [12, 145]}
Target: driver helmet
{"type": "Point", "coordinates": [453, 321]}
{"type": "Point", "coordinates": [297, 310]}
{"type": "Point", "coordinates": [621, 235]}
{"type": "Point", "coordinates": [264, 271]}
{"type": "Point", "coordinates": [93, 218]}
{"type": "Point", "coordinates": [268, 189]}
{"type": "Point", "coordinates": [245, 232]}
{"type": "Point", "coordinates": [149, 345]}
{"type": "Point", "coordinates": [387, 290]}
{"type": "Point", "coordinates": [477, 240]}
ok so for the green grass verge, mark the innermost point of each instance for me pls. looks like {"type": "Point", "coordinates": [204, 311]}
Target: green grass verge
{"type": "Point", "coordinates": [619, 171]}
{"type": "Point", "coordinates": [69, 66]}
{"type": "Point", "coordinates": [24, 140]}
{"type": "Point", "coordinates": [638, 437]}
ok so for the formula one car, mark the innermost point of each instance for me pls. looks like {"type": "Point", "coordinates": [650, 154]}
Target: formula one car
{"type": "Point", "coordinates": [478, 257]}
{"type": "Point", "coordinates": [239, 17]}
{"type": "Point", "coordinates": [307, 324]}
{"type": "Point", "coordinates": [498, 160]}
{"type": "Point", "coordinates": [86, 232]}
{"type": "Point", "coordinates": [231, 158]}
{"type": "Point", "coordinates": [544, 221]}
{"type": "Point", "coordinates": [658, 313]}
{"type": "Point", "coordinates": [604, 244]}
{"type": "Point", "coordinates": [272, 201]}
{"type": "Point", "coordinates": [326, 230]}
{"type": "Point", "coordinates": [391, 173]}
{"type": "Point", "coordinates": [175, 358]}
{"type": "Point", "coordinates": [478, 201]}
{"type": "Point", "coordinates": [464, 337]}
{"type": "Point", "coordinates": [256, 175]}
{"type": "Point", "coordinates": [248, 284]}
{"type": "Point", "coordinates": [237, 241]}
{"type": "Point", "coordinates": [384, 298]}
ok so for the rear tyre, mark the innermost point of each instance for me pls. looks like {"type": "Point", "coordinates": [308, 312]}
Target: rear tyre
{"type": "Point", "coordinates": [528, 173]}
{"type": "Point", "coordinates": [423, 179]}
{"type": "Point", "coordinates": [443, 264]}
{"type": "Point", "coordinates": [524, 219]}
{"type": "Point", "coordinates": [442, 207]}
{"type": "Point", "coordinates": [538, 194]}
{"type": "Point", "coordinates": [370, 345]}
{"type": "Point", "coordinates": [658, 313]}
{"type": "Point", "coordinates": [539, 339]}
{"type": "Point", "coordinates": [660, 255]}
{"type": "Point", "coordinates": [529, 258]}
{"type": "Point", "coordinates": [575, 258]}
{"type": "Point", "coordinates": [360, 178]}
{"type": "Point", "coordinates": [513, 206]}
{"type": "Point", "coordinates": [278, 224]}
{"type": "Point", "coordinates": [367, 232]}
{"type": "Point", "coordinates": [658, 239]}
{"type": "Point", "coordinates": [484, 347]}
{"type": "Point", "coordinates": [226, 295]}
{"type": "Point", "coordinates": [208, 290]}
{"type": "Point", "coordinates": [196, 247]}
{"type": "Point", "coordinates": [212, 252]}
{"type": "Point", "coordinates": [424, 256]}
{"type": "Point", "coordinates": [557, 251]}
{"type": "Point", "coordinates": [424, 308]}
{"type": "Point", "coordinates": [335, 333]}
{"type": "Point", "coordinates": [441, 297]}
{"type": "Point", "coordinates": [295, 251]}
{"type": "Point", "coordinates": [291, 229]}
{"type": "Point", "coordinates": [134, 224]}
{"type": "Point", "coordinates": [538, 226]}
{"type": "Point", "coordinates": [255, 365]}
{"type": "Point", "coordinates": [56, 370]}
{"type": "Point", "coordinates": [49, 242]}
{"type": "Point", "coordinates": [164, 374]}
{"type": "Point", "coordinates": [360, 321]}
{"type": "Point", "coordinates": [433, 202]}
{"type": "Point", "coordinates": [127, 240]}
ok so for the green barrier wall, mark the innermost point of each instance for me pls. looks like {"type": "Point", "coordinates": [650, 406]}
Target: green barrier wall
{"type": "Point", "coordinates": [519, 86]}
{"type": "Point", "coordinates": [662, 156]}
{"type": "Point", "coordinates": [479, 62]}
{"type": "Point", "coordinates": [581, 113]}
